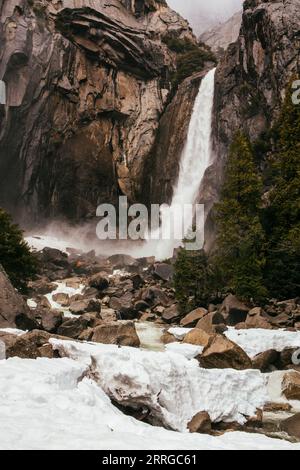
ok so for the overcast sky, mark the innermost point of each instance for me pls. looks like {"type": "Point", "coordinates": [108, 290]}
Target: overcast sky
{"type": "Point", "coordinates": [202, 14]}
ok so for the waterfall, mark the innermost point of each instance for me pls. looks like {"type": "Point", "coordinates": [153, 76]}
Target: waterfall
{"type": "Point", "coordinates": [195, 160]}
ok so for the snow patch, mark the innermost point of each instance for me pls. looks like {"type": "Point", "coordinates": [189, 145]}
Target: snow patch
{"type": "Point", "coordinates": [13, 331]}
{"type": "Point", "coordinates": [187, 350]}
{"type": "Point", "coordinates": [48, 404]}
{"type": "Point", "coordinates": [173, 387]}
{"type": "Point", "coordinates": [256, 340]}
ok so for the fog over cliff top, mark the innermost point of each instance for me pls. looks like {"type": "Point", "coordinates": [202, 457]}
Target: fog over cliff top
{"type": "Point", "coordinates": [203, 15]}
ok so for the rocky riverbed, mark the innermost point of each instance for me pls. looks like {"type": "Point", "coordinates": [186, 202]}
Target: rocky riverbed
{"type": "Point", "coordinates": [115, 320]}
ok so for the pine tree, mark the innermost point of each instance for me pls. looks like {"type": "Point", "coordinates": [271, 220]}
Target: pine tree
{"type": "Point", "coordinates": [283, 213]}
{"type": "Point", "coordinates": [240, 239]}
{"type": "Point", "coordinates": [15, 256]}
{"type": "Point", "coordinates": [193, 280]}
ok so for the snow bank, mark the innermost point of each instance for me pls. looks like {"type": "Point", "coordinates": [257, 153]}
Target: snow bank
{"type": "Point", "coordinates": [187, 350]}
{"type": "Point", "coordinates": [13, 331]}
{"type": "Point", "coordinates": [256, 340]}
{"type": "Point", "coordinates": [49, 404]}
{"type": "Point", "coordinates": [173, 387]}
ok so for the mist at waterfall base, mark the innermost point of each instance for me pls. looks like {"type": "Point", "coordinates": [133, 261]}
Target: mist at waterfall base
{"type": "Point", "coordinates": [195, 160]}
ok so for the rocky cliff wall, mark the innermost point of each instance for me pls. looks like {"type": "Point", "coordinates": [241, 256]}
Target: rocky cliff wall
{"type": "Point", "coordinates": [87, 82]}
{"type": "Point", "coordinates": [252, 78]}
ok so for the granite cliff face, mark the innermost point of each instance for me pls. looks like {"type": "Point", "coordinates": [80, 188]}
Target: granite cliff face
{"type": "Point", "coordinates": [252, 78]}
{"type": "Point", "coordinates": [220, 36]}
{"type": "Point", "coordinates": [86, 83]}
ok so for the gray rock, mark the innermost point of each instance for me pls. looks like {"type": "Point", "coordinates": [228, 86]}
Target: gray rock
{"type": "Point", "coordinates": [14, 312]}
{"type": "Point", "coordinates": [120, 333]}
{"type": "Point", "coordinates": [171, 314]}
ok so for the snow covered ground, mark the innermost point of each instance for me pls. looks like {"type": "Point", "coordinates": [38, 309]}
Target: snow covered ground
{"type": "Point", "coordinates": [49, 404]}
{"type": "Point", "coordinates": [256, 340]}
{"type": "Point", "coordinates": [173, 387]}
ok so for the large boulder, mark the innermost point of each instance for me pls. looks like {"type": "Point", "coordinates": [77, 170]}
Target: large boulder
{"type": "Point", "coordinates": [51, 320]}
{"type": "Point", "coordinates": [266, 360]}
{"type": "Point", "coordinates": [210, 321]}
{"type": "Point", "coordinates": [171, 314]}
{"type": "Point", "coordinates": [99, 281]}
{"type": "Point", "coordinates": [54, 256]}
{"type": "Point", "coordinates": [14, 313]}
{"type": "Point", "coordinates": [256, 318]}
{"type": "Point", "coordinates": [221, 353]}
{"type": "Point", "coordinates": [200, 423]}
{"type": "Point", "coordinates": [291, 385]}
{"type": "Point", "coordinates": [193, 317]}
{"type": "Point", "coordinates": [123, 261]}
{"type": "Point", "coordinates": [80, 307]}
{"type": "Point", "coordinates": [124, 306]}
{"type": "Point", "coordinates": [74, 327]}
{"type": "Point", "coordinates": [235, 310]}
{"type": "Point", "coordinates": [120, 333]}
{"type": "Point", "coordinates": [155, 296]}
{"type": "Point", "coordinates": [30, 345]}
{"type": "Point", "coordinates": [292, 426]}
{"type": "Point", "coordinates": [197, 337]}
{"type": "Point", "coordinates": [62, 299]}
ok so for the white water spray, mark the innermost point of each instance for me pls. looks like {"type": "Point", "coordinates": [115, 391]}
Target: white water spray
{"type": "Point", "coordinates": [194, 162]}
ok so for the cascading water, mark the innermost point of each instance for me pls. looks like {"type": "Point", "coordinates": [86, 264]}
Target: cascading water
{"type": "Point", "coordinates": [194, 162]}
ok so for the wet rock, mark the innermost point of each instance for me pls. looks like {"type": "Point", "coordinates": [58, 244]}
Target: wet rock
{"type": "Point", "coordinates": [155, 296]}
{"type": "Point", "coordinates": [193, 317]}
{"type": "Point", "coordinates": [123, 261]}
{"type": "Point", "coordinates": [108, 314]}
{"type": "Point", "coordinates": [41, 287]}
{"type": "Point", "coordinates": [29, 346]}
{"type": "Point", "coordinates": [83, 306]}
{"type": "Point", "coordinates": [147, 316]}
{"type": "Point", "coordinates": [235, 310]}
{"type": "Point", "coordinates": [171, 314]}
{"type": "Point", "coordinates": [167, 338]}
{"type": "Point", "coordinates": [124, 306]}
{"type": "Point", "coordinates": [120, 333]}
{"type": "Point", "coordinates": [221, 353]}
{"type": "Point", "coordinates": [73, 327]}
{"type": "Point", "coordinates": [52, 256]}
{"type": "Point", "coordinates": [276, 407]}
{"type": "Point", "coordinates": [51, 320]}
{"type": "Point", "coordinates": [291, 386]}
{"type": "Point", "coordinates": [62, 299]}
{"type": "Point", "coordinates": [74, 282]}
{"type": "Point", "coordinates": [292, 426]}
{"type": "Point", "coordinates": [265, 360]}
{"type": "Point", "coordinates": [137, 281]}
{"type": "Point", "coordinates": [200, 423]}
{"type": "Point", "coordinates": [141, 306]}
{"type": "Point", "coordinates": [286, 358]}
{"type": "Point", "coordinates": [44, 302]}
{"type": "Point", "coordinates": [14, 313]}
{"type": "Point", "coordinates": [99, 281]}
{"type": "Point", "coordinates": [198, 337]}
